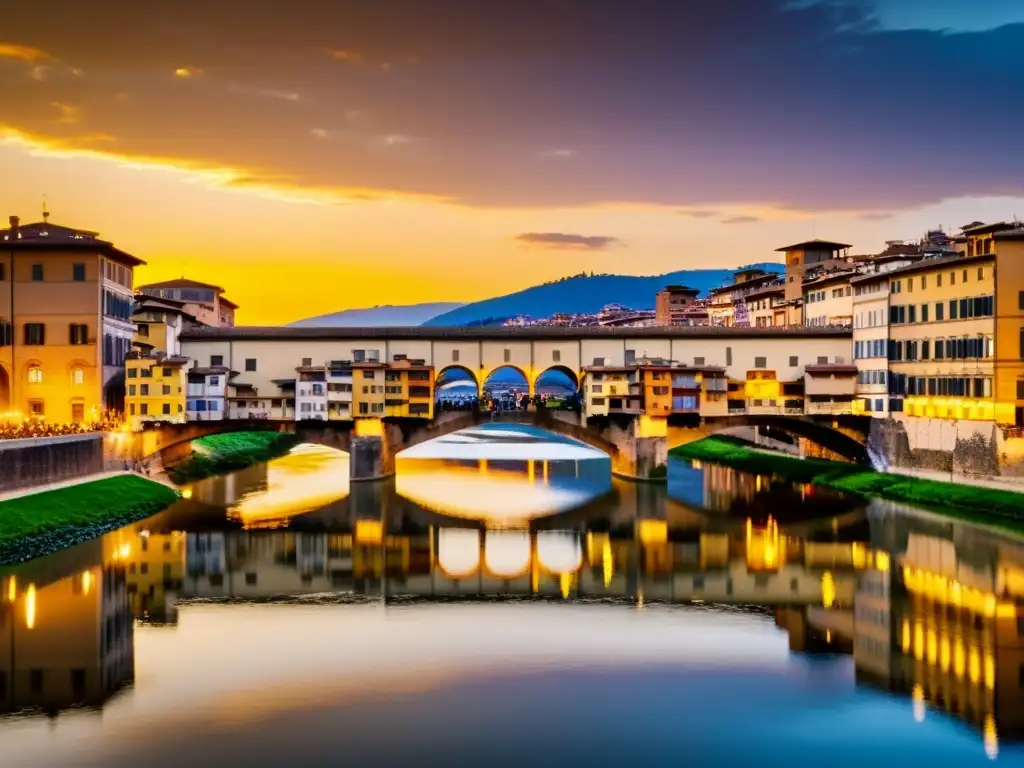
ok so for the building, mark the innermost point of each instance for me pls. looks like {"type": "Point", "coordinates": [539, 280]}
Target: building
{"type": "Point", "coordinates": [409, 389]}
{"type": "Point", "coordinates": [206, 397]}
{"type": "Point", "coordinates": [671, 303]}
{"type": "Point", "coordinates": [767, 306]}
{"type": "Point", "coordinates": [609, 389]}
{"type": "Point", "coordinates": [804, 260]}
{"type": "Point", "coordinates": [65, 322]}
{"type": "Point", "coordinates": [726, 305]}
{"type": "Point", "coordinates": [828, 299]}
{"type": "Point", "coordinates": [368, 393]}
{"type": "Point", "coordinates": [156, 379]}
{"type": "Point", "coordinates": [204, 301]}
{"type": "Point", "coordinates": [871, 342]}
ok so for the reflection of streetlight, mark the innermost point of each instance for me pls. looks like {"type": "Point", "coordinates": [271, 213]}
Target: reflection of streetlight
{"type": "Point", "coordinates": [30, 607]}
{"type": "Point", "coordinates": [12, 589]}
{"type": "Point", "coordinates": [991, 738]}
{"type": "Point", "coordinates": [917, 696]}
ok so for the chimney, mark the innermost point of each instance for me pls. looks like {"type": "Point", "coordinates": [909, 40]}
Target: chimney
{"type": "Point", "coordinates": [14, 224]}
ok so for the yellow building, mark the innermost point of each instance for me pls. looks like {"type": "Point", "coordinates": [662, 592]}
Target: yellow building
{"type": "Point", "coordinates": [657, 389]}
{"type": "Point", "coordinates": [368, 389]}
{"type": "Point", "coordinates": [65, 322]}
{"type": "Point", "coordinates": [156, 389]}
{"type": "Point", "coordinates": [409, 389]}
{"type": "Point", "coordinates": [942, 339]}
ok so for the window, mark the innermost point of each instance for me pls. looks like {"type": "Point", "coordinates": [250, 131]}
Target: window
{"type": "Point", "coordinates": [78, 333]}
{"type": "Point", "coordinates": [698, 361]}
{"type": "Point", "coordinates": [78, 273]}
{"type": "Point", "coordinates": [952, 278]}
{"type": "Point", "coordinates": [167, 373]}
{"type": "Point", "coordinates": [556, 356]}
{"type": "Point", "coordinates": [508, 355]}
{"type": "Point", "coordinates": [37, 272]}
{"type": "Point", "coordinates": [760, 362]}
{"type": "Point", "coordinates": [1020, 300]}
{"type": "Point", "coordinates": [306, 362]}
{"type": "Point", "coordinates": [938, 280]}
{"type": "Point", "coordinates": [965, 276]}
{"type": "Point", "coordinates": [822, 361]}
{"type": "Point", "coordinates": [6, 333]}
{"type": "Point", "coordinates": [794, 361]}
{"type": "Point", "coordinates": [924, 313]}
{"type": "Point", "coordinates": [144, 390]}
{"type": "Point", "coordinates": [250, 363]}
{"type": "Point", "coordinates": [77, 376]}
{"type": "Point", "coordinates": [144, 411]}
{"type": "Point", "coordinates": [35, 375]}
{"type": "Point", "coordinates": [36, 408]}
{"type": "Point", "coordinates": [214, 381]}
{"type": "Point", "coordinates": [166, 408]}
{"type": "Point", "coordinates": [981, 273]}
{"type": "Point", "coordinates": [952, 309]}
{"type": "Point", "coordinates": [597, 401]}
{"type": "Point", "coordinates": [131, 390]}
{"type": "Point", "coordinates": [455, 354]}
{"type": "Point", "coordinates": [166, 389]}
{"type": "Point", "coordinates": [216, 360]}
{"type": "Point", "coordinates": [728, 355]}
{"type": "Point", "coordinates": [940, 310]}
{"type": "Point", "coordinates": [35, 334]}
{"type": "Point", "coordinates": [924, 282]}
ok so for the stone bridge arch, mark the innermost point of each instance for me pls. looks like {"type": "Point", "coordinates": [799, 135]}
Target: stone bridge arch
{"type": "Point", "coordinates": [845, 436]}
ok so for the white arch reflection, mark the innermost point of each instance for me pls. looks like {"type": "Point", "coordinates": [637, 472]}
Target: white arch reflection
{"type": "Point", "coordinates": [559, 551]}
{"type": "Point", "coordinates": [458, 552]}
{"type": "Point", "coordinates": [507, 554]}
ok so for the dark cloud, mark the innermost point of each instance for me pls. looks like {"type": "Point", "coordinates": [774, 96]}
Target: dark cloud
{"type": "Point", "coordinates": [740, 220]}
{"type": "Point", "coordinates": [570, 242]}
{"type": "Point", "coordinates": [699, 214]}
{"type": "Point", "coordinates": [496, 82]}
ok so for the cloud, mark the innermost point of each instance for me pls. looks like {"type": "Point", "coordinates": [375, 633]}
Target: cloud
{"type": "Point", "coordinates": [562, 152]}
{"type": "Point", "coordinates": [267, 93]}
{"type": "Point", "coordinates": [342, 54]}
{"type": "Point", "coordinates": [741, 220]}
{"type": "Point", "coordinates": [69, 113]}
{"type": "Point", "coordinates": [185, 72]}
{"type": "Point", "coordinates": [559, 240]}
{"type": "Point", "coordinates": [395, 140]}
{"type": "Point", "coordinates": [253, 180]}
{"type": "Point", "coordinates": [698, 213]}
{"type": "Point", "coordinates": [875, 216]}
{"type": "Point", "coordinates": [24, 53]}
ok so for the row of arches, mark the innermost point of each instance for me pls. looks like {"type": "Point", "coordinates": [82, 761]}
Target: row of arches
{"type": "Point", "coordinates": [455, 382]}
{"type": "Point", "coordinates": [510, 554]}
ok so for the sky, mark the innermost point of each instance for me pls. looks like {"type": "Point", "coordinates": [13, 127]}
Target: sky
{"type": "Point", "coordinates": [323, 156]}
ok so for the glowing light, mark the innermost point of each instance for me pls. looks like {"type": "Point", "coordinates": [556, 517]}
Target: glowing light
{"type": "Point", "coordinates": [828, 589]}
{"type": "Point", "coordinates": [30, 607]}
{"type": "Point", "coordinates": [565, 584]}
{"type": "Point", "coordinates": [764, 546]}
{"type": "Point", "coordinates": [369, 531]}
{"type": "Point", "coordinates": [991, 737]}
{"type": "Point", "coordinates": [652, 531]}
{"type": "Point", "coordinates": [607, 561]}
{"type": "Point", "coordinates": [369, 428]}
{"type": "Point", "coordinates": [882, 562]}
{"type": "Point", "coordinates": [86, 583]}
{"type": "Point", "coordinates": [906, 636]}
{"type": "Point", "coordinates": [12, 589]}
{"type": "Point", "coordinates": [917, 697]}
{"type": "Point", "coordinates": [990, 671]}
{"type": "Point", "coordinates": [186, 492]}
{"type": "Point", "coordinates": [125, 551]}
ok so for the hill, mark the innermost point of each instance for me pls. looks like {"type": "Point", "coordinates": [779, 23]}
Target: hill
{"type": "Point", "coordinates": [585, 293]}
{"type": "Point", "coordinates": [382, 316]}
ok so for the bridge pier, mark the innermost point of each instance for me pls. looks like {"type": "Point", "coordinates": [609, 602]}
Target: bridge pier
{"type": "Point", "coordinates": [370, 458]}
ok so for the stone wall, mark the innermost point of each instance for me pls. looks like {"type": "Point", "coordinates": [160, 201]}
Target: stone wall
{"type": "Point", "coordinates": [41, 460]}
{"type": "Point", "coordinates": [968, 449]}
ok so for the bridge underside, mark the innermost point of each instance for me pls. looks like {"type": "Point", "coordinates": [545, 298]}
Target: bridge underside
{"type": "Point", "coordinates": [636, 450]}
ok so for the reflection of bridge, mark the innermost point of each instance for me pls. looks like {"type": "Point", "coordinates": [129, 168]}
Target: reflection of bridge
{"type": "Point", "coordinates": [633, 454]}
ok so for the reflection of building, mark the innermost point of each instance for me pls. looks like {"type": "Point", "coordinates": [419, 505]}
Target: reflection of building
{"type": "Point", "coordinates": [67, 642]}
{"type": "Point", "coordinates": [65, 322]}
{"type": "Point", "coordinates": [154, 564]}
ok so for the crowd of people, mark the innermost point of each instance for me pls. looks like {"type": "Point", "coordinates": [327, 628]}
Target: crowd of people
{"type": "Point", "coordinates": [37, 427]}
{"type": "Point", "coordinates": [509, 400]}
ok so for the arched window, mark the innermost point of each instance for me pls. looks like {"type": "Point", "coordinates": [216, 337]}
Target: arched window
{"type": "Point", "coordinates": [77, 376]}
{"type": "Point", "coordinates": [35, 375]}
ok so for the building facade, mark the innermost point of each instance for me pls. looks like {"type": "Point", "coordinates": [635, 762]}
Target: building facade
{"type": "Point", "coordinates": [65, 322]}
{"type": "Point", "coordinates": [871, 342]}
{"type": "Point", "coordinates": [206, 302]}
{"type": "Point", "coordinates": [672, 303]}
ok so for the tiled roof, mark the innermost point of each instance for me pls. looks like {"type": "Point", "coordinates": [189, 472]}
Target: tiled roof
{"type": "Point", "coordinates": [52, 237]}
{"type": "Point", "coordinates": [925, 265]}
{"type": "Point", "coordinates": [288, 333]}
{"type": "Point", "coordinates": [181, 282]}
{"type": "Point", "coordinates": [815, 245]}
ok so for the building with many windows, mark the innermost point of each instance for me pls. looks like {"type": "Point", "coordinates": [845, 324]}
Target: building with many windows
{"type": "Point", "coordinates": [65, 322]}
{"type": "Point", "coordinates": [409, 389]}
{"type": "Point", "coordinates": [671, 304]}
{"type": "Point", "coordinates": [828, 299]}
{"type": "Point", "coordinates": [206, 302]}
{"type": "Point", "coordinates": [871, 342]}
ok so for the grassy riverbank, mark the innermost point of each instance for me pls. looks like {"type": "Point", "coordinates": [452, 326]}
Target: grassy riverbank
{"type": "Point", "coordinates": [980, 504]}
{"type": "Point", "coordinates": [218, 454]}
{"type": "Point", "coordinates": [41, 523]}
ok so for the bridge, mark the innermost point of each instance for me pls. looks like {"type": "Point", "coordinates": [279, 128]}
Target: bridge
{"type": "Point", "coordinates": [633, 454]}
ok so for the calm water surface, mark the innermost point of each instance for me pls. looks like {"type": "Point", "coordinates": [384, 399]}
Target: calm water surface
{"type": "Point", "coordinates": [506, 610]}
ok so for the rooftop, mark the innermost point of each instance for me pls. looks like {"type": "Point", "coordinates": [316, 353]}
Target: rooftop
{"type": "Point", "coordinates": [181, 282]}
{"type": "Point", "coordinates": [288, 333]}
{"type": "Point", "coordinates": [831, 369]}
{"type": "Point", "coordinates": [815, 245]}
{"type": "Point", "coordinates": [42, 235]}
{"type": "Point", "coordinates": [925, 265]}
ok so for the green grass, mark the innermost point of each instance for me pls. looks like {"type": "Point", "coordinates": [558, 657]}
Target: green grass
{"type": "Point", "coordinates": [35, 525]}
{"type": "Point", "coordinates": [218, 454]}
{"type": "Point", "coordinates": [965, 501]}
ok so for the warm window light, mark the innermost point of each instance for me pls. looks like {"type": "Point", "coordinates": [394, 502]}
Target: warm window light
{"type": "Point", "coordinates": [35, 375]}
{"type": "Point", "coordinates": [30, 607]}
{"type": "Point", "coordinates": [77, 376]}
{"type": "Point", "coordinates": [12, 589]}
{"type": "Point", "coordinates": [86, 582]}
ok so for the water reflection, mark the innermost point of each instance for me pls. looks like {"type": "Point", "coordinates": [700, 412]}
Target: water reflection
{"type": "Point", "coordinates": [923, 608]}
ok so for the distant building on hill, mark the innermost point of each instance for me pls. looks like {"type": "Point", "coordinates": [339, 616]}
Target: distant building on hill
{"type": "Point", "coordinates": [671, 303]}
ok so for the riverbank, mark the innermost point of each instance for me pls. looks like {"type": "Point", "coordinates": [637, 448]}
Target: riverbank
{"type": "Point", "coordinates": [218, 454]}
{"type": "Point", "coordinates": [969, 502]}
{"type": "Point", "coordinates": [42, 523]}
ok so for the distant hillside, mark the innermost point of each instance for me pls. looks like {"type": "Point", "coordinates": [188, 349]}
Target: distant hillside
{"type": "Point", "coordinates": [384, 316]}
{"type": "Point", "coordinates": [584, 293]}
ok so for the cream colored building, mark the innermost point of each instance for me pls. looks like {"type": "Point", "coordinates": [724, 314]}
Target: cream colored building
{"type": "Point", "coordinates": [206, 302]}
{"type": "Point", "coordinates": [65, 322]}
{"type": "Point", "coordinates": [871, 342]}
{"type": "Point", "coordinates": [828, 300]}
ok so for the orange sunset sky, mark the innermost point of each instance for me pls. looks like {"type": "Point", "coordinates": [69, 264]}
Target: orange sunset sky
{"type": "Point", "coordinates": [357, 154]}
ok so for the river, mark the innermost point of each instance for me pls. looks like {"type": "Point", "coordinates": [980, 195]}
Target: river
{"type": "Point", "coordinates": [504, 601]}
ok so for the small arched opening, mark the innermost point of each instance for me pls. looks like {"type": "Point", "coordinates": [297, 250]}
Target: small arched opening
{"type": "Point", "coordinates": [558, 387]}
{"type": "Point", "coordinates": [455, 389]}
{"type": "Point", "coordinates": [506, 388]}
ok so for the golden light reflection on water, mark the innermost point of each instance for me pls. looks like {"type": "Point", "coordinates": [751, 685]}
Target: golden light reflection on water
{"type": "Point", "coordinates": [306, 479]}
{"type": "Point", "coordinates": [501, 496]}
